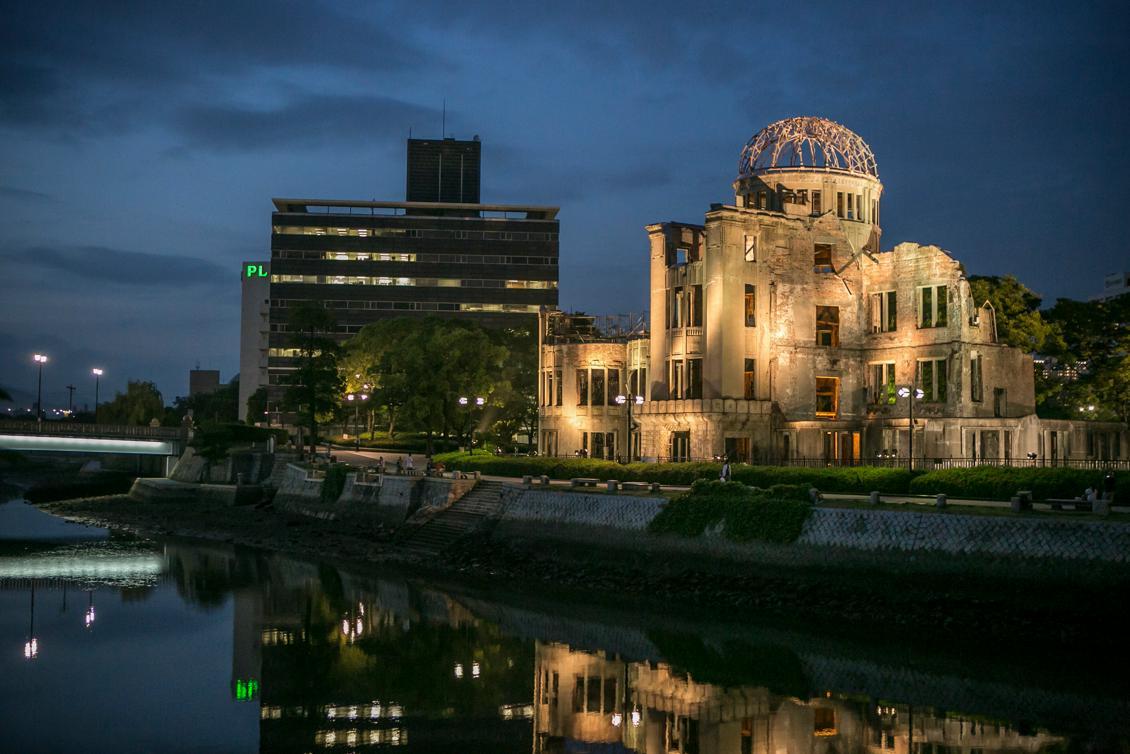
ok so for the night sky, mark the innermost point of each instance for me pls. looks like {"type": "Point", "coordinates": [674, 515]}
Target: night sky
{"type": "Point", "coordinates": [143, 142]}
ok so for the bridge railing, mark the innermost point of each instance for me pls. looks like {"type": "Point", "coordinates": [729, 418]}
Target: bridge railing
{"type": "Point", "coordinates": [74, 429]}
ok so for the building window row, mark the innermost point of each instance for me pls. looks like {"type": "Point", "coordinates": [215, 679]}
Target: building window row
{"type": "Point", "coordinates": [884, 312]}
{"type": "Point", "coordinates": [460, 235]}
{"type": "Point", "coordinates": [553, 387]}
{"type": "Point", "coordinates": [396, 256]}
{"type": "Point", "coordinates": [598, 445]}
{"type": "Point", "coordinates": [420, 306]}
{"type": "Point", "coordinates": [684, 378]}
{"type": "Point", "coordinates": [933, 306]}
{"type": "Point", "coordinates": [684, 306]}
{"type": "Point", "coordinates": [852, 208]}
{"type": "Point", "coordinates": [597, 386]}
{"type": "Point", "coordinates": [415, 282]}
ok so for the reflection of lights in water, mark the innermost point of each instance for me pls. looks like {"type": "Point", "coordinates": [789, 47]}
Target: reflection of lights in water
{"type": "Point", "coordinates": [475, 670]}
{"type": "Point", "coordinates": [516, 711]}
{"type": "Point", "coordinates": [356, 737]}
{"type": "Point", "coordinates": [635, 718]}
{"type": "Point", "coordinates": [458, 670]}
{"type": "Point", "coordinates": [394, 711]}
{"type": "Point", "coordinates": [31, 649]}
{"type": "Point", "coordinates": [617, 718]}
{"type": "Point", "coordinates": [353, 712]}
{"type": "Point", "coordinates": [89, 617]}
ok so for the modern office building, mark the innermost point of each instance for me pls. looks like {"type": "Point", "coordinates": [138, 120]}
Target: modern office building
{"type": "Point", "coordinates": [443, 170]}
{"type": "Point", "coordinates": [203, 381]}
{"type": "Point", "coordinates": [494, 264]}
{"type": "Point", "coordinates": [780, 332]}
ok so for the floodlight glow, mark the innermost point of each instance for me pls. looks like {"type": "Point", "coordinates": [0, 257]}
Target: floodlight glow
{"type": "Point", "coordinates": [480, 401]}
{"type": "Point", "coordinates": [40, 358]}
{"type": "Point", "coordinates": [462, 401]}
{"type": "Point", "coordinates": [96, 372]}
{"type": "Point", "coordinates": [621, 399]}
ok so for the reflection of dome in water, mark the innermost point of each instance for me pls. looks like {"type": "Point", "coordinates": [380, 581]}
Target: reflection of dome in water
{"type": "Point", "coordinates": [807, 143]}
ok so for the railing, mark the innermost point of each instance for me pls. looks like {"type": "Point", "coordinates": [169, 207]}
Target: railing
{"type": "Point", "coordinates": [73, 429]}
{"type": "Point", "coordinates": [926, 464]}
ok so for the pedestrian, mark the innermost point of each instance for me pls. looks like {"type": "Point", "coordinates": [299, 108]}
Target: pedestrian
{"type": "Point", "coordinates": [725, 475]}
{"type": "Point", "coordinates": [1091, 495]}
{"type": "Point", "coordinates": [380, 464]}
{"type": "Point", "coordinates": [409, 466]}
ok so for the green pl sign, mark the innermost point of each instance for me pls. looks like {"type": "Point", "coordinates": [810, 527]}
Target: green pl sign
{"type": "Point", "coordinates": [246, 691]}
{"type": "Point", "coordinates": [254, 271]}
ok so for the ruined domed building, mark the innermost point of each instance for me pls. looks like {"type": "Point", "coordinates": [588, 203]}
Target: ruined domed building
{"type": "Point", "coordinates": [779, 330]}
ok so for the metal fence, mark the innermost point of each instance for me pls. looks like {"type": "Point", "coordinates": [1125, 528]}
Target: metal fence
{"type": "Point", "coordinates": [926, 464]}
{"type": "Point", "coordinates": [74, 429]}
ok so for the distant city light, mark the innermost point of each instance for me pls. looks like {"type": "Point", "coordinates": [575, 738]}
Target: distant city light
{"type": "Point", "coordinates": [458, 670]}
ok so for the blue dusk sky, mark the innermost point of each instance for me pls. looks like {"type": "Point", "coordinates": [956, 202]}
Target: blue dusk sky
{"type": "Point", "coordinates": [142, 142]}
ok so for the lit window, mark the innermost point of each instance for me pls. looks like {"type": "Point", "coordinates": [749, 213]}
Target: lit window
{"type": "Point", "coordinates": [749, 379]}
{"type": "Point", "coordinates": [827, 397]}
{"type": "Point", "coordinates": [883, 383]}
{"type": "Point", "coordinates": [822, 258]}
{"type": "Point", "coordinates": [827, 326]}
{"type": "Point", "coordinates": [750, 306]}
{"type": "Point", "coordinates": [884, 312]}
{"type": "Point", "coordinates": [932, 380]}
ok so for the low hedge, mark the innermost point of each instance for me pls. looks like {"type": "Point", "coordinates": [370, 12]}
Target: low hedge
{"type": "Point", "coordinates": [1002, 482]}
{"type": "Point", "coordinates": [860, 480]}
{"type": "Point", "coordinates": [745, 513]}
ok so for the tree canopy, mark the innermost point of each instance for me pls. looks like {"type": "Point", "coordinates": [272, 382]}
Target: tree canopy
{"type": "Point", "coordinates": [315, 386]}
{"type": "Point", "coordinates": [1019, 322]}
{"type": "Point", "coordinates": [138, 405]}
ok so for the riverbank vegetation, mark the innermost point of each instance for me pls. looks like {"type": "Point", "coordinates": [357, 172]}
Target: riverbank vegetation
{"type": "Point", "coordinates": [741, 513]}
{"type": "Point", "coordinates": [982, 482]}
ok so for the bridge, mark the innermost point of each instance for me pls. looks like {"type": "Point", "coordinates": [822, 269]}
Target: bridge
{"type": "Point", "coordinates": [70, 437]}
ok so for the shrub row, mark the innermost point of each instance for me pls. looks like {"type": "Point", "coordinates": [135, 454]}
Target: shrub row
{"type": "Point", "coordinates": [981, 482]}
{"type": "Point", "coordinates": [745, 513]}
{"type": "Point", "coordinates": [1001, 483]}
{"type": "Point", "coordinates": [860, 480]}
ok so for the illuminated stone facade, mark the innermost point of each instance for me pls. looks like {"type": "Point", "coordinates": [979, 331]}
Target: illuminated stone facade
{"type": "Point", "coordinates": [779, 331]}
{"type": "Point", "coordinates": [588, 699]}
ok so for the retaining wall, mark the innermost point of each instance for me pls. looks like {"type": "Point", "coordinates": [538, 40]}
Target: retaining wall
{"type": "Point", "coordinates": [387, 500]}
{"type": "Point", "coordinates": [621, 521]}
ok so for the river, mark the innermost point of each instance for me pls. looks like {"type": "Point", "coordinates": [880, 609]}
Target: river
{"type": "Point", "coordinates": [109, 643]}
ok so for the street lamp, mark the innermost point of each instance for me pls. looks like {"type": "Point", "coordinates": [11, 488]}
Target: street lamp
{"type": "Point", "coordinates": [40, 359]}
{"type": "Point", "coordinates": [904, 392]}
{"type": "Point", "coordinates": [356, 399]}
{"type": "Point", "coordinates": [629, 401]}
{"type": "Point", "coordinates": [97, 372]}
{"type": "Point", "coordinates": [480, 402]}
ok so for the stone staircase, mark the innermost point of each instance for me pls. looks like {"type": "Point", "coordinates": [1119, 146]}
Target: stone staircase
{"type": "Point", "coordinates": [464, 516]}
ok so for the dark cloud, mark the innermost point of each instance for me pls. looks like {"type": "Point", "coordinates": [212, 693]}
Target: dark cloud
{"type": "Point", "coordinates": [14, 192]}
{"type": "Point", "coordinates": [307, 120]}
{"type": "Point", "coordinates": [98, 263]}
{"type": "Point", "coordinates": [68, 65]}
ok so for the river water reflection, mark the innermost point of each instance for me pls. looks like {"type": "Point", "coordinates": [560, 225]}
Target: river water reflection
{"type": "Point", "coordinates": [113, 644]}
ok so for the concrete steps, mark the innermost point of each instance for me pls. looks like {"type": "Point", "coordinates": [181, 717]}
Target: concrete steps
{"type": "Point", "coordinates": [463, 517]}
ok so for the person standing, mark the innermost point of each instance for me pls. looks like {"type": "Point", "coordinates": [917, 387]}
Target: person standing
{"type": "Point", "coordinates": [725, 474]}
{"type": "Point", "coordinates": [409, 466]}
{"type": "Point", "coordinates": [1108, 486]}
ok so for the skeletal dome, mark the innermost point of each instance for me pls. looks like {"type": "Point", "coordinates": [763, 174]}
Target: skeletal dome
{"type": "Point", "coordinates": [807, 143]}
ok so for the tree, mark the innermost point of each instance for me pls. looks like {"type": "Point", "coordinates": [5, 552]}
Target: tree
{"type": "Point", "coordinates": [1096, 338]}
{"type": "Point", "coordinates": [516, 392]}
{"type": "Point", "coordinates": [140, 404]}
{"type": "Point", "coordinates": [1019, 322]}
{"type": "Point", "coordinates": [257, 406]}
{"type": "Point", "coordinates": [419, 368]}
{"type": "Point", "coordinates": [315, 384]}
{"type": "Point", "coordinates": [5, 395]}
{"type": "Point", "coordinates": [221, 407]}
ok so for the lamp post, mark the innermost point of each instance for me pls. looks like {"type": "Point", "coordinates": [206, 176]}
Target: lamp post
{"type": "Point", "coordinates": [40, 359]}
{"type": "Point", "coordinates": [480, 402]}
{"type": "Point", "coordinates": [356, 399]}
{"type": "Point", "coordinates": [97, 372]}
{"type": "Point", "coordinates": [629, 401]}
{"type": "Point", "coordinates": [905, 392]}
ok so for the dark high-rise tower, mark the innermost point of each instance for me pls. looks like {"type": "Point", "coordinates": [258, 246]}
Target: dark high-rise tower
{"type": "Point", "coordinates": [443, 170]}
